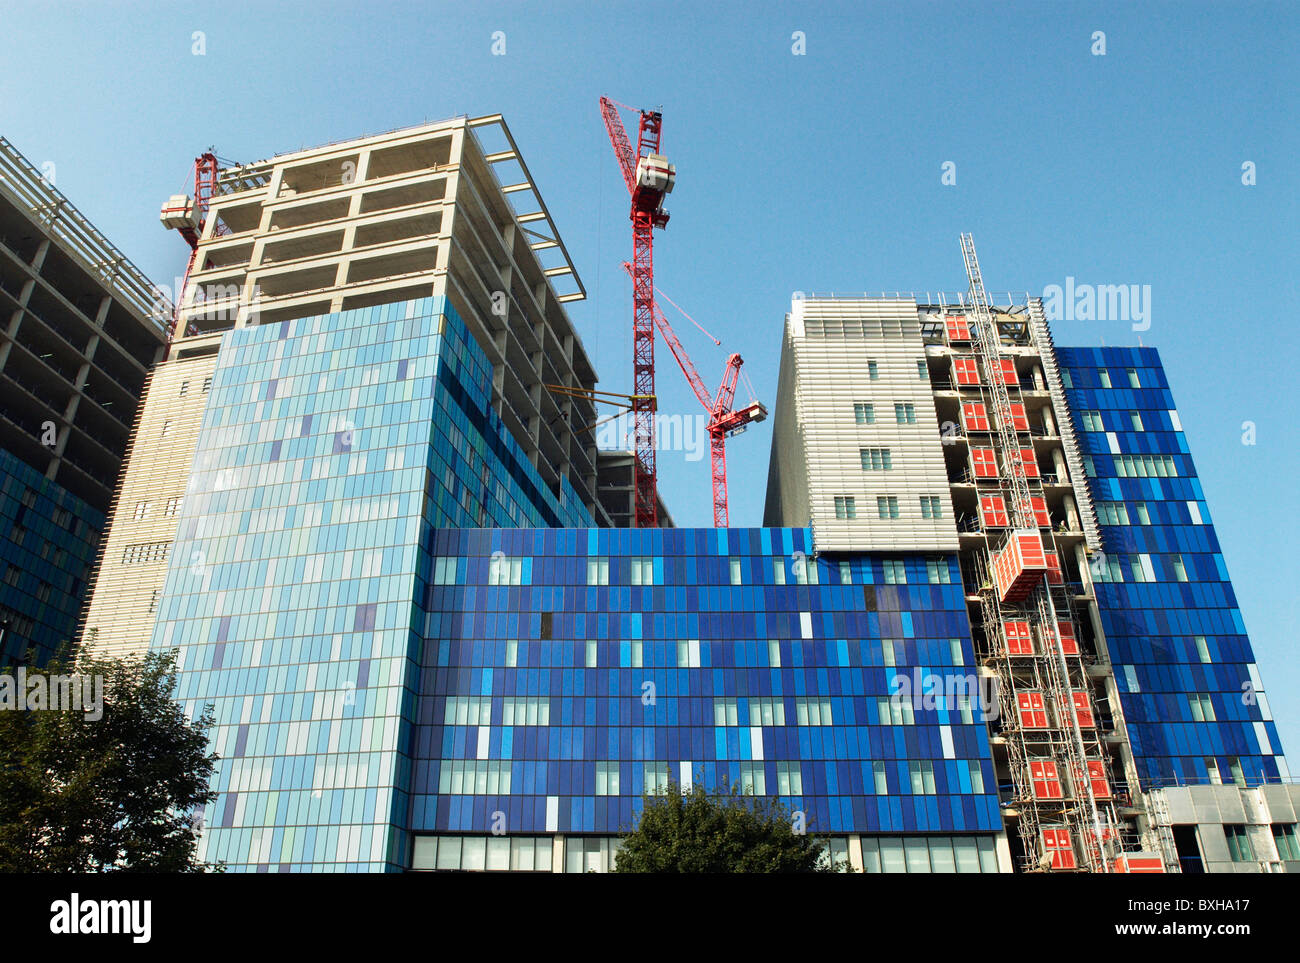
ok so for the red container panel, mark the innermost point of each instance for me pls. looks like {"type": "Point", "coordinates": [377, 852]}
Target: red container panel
{"type": "Point", "coordinates": [993, 511]}
{"type": "Point", "coordinates": [1031, 710]}
{"type": "Point", "coordinates": [984, 462]}
{"type": "Point", "coordinates": [974, 417]}
{"type": "Point", "coordinates": [1069, 644]}
{"type": "Point", "coordinates": [1020, 640]}
{"type": "Point", "coordinates": [958, 327]}
{"type": "Point", "coordinates": [1019, 565]}
{"type": "Point", "coordinates": [1042, 517]}
{"type": "Point", "coordinates": [965, 371]}
{"type": "Point", "coordinates": [1097, 777]}
{"type": "Point", "coordinates": [1029, 461]}
{"type": "Point", "coordinates": [1007, 372]}
{"type": "Point", "coordinates": [1082, 709]}
{"type": "Point", "coordinates": [1057, 843]}
{"type": "Point", "coordinates": [1045, 779]}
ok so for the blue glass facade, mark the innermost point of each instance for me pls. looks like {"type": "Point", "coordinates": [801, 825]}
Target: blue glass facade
{"type": "Point", "coordinates": [1182, 659]}
{"type": "Point", "coordinates": [46, 556]}
{"type": "Point", "coordinates": [618, 659]}
{"type": "Point", "coordinates": [330, 448]}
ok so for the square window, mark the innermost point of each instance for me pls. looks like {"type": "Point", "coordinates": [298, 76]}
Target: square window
{"type": "Point", "coordinates": [1133, 380]}
{"type": "Point", "coordinates": [734, 566]}
{"type": "Point", "coordinates": [864, 413]}
{"type": "Point", "coordinates": [887, 505]}
{"type": "Point", "coordinates": [1104, 377]}
{"type": "Point", "coordinates": [875, 459]}
{"type": "Point", "coordinates": [873, 371]}
{"type": "Point", "coordinates": [845, 507]}
{"type": "Point", "coordinates": [905, 413]}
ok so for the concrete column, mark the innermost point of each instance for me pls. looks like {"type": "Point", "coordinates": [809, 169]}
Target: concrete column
{"type": "Point", "coordinates": [38, 258]}
{"type": "Point", "coordinates": [1072, 513]}
{"type": "Point", "coordinates": [1039, 381]}
{"type": "Point", "coordinates": [1059, 466]}
{"type": "Point", "coordinates": [1049, 422]}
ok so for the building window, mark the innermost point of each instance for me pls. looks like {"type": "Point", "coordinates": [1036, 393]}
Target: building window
{"type": "Point", "coordinates": [845, 507]}
{"type": "Point", "coordinates": [531, 711]}
{"type": "Point", "coordinates": [474, 777]}
{"type": "Point", "coordinates": [146, 552]}
{"type": "Point", "coordinates": [812, 712]}
{"type": "Point", "coordinates": [887, 505]}
{"type": "Point", "coordinates": [1133, 380]}
{"type": "Point", "coordinates": [153, 601]}
{"type": "Point", "coordinates": [597, 571]}
{"type": "Point", "coordinates": [1202, 708]}
{"type": "Point", "coordinates": [1136, 419]}
{"type": "Point", "coordinates": [976, 776]}
{"type": "Point", "coordinates": [643, 571]}
{"type": "Point", "coordinates": [503, 570]}
{"type": "Point", "coordinates": [1284, 836]}
{"type": "Point", "coordinates": [767, 712]}
{"type": "Point", "coordinates": [1089, 468]}
{"type": "Point", "coordinates": [936, 570]}
{"type": "Point", "coordinates": [607, 779]}
{"type": "Point", "coordinates": [185, 388]}
{"type": "Point", "coordinates": [752, 780]}
{"type": "Point", "coordinates": [172, 507]}
{"type": "Point", "coordinates": [637, 653]}
{"type": "Point", "coordinates": [922, 774]}
{"type": "Point", "coordinates": [895, 572]}
{"type": "Point", "coordinates": [591, 653]}
{"type": "Point", "coordinates": [166, 427]}
{"type": "Point", "coordinates": [1112, 513]}
{"type": "Point", "coordinates": [873, 371]}
{"type": "Point", "coordinates": [1066, 380]}
{"type": "Point", "coordinates": [774, 660]}
{"type": "Point", "coordinates": [725, 712]}
{"type": "Point", "coordinates": [887, 656]}
{"type": "Point", "coordinates": [876, 459]}
{"type": "Point", "coordinates": [1202, 648]}
{"type": "Point", "coordinates": [922, 371]}
{"type": "Point", "coordinates": [879, 779]}
{"type": "Point", "coordinates": [1092, 421]}
{"type": "Point", "coordinates": [1212, 771]}
{"type": "Point", "coordinates": [805, 571]}
{"type": "Point", "coordinates": [1239, 845]}
{"type": "Point", "coordinates": [512, 654]}
{"type": "Point", "coordinates": [931, 507]}
{"type": "Point", "coordinates": [895, 711]}
{"type": "Point", "coordinates": [778, 571]}
{"type": "Point", "coordinates": [1143, 516]}
{"type": "Point", "coordinates": [1180, 570]}
{"type": "Point", "coordinates": [657, 776]}
{"type": "Point", "coordinates": [789, 779]}
{"type": "Point", "coordinates": [735, 571]}
{"type": "Point", "coordinates": [905, 413]}
{"type": "Point", "coordinates": [207, 384]}
{"type": "Point", "coordinates": [1238, 774]}
{"type": "Point", "coordinates": [1104, 376]}
{"type": "Point", "coordinates": [864, 413]}
{"type": "Point", "coordinates": [141, 510]}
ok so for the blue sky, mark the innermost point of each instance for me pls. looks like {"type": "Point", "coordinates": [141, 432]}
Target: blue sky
{"type": "Point", "coordinates": [819, 172]}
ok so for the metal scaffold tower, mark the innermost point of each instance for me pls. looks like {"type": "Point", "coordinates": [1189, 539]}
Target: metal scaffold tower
{"type": "Point", "coordinates": [1059, 768]}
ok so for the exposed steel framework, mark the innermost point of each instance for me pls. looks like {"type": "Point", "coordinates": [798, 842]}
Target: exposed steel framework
{"type": "Point", "coordinates": [648, 179]}
{"type": "Point", "coordinates": [723, 420]}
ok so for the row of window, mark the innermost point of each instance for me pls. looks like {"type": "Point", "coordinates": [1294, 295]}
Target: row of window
{"type": "Point", "coordinates": [846, 506]}
{"type": "Point", "coordinates": [170, 508]}
{"type": "Point", "coordinates": [477, 711]}
{"type": "Point", "coordinates": [1111, 568]}
{"type": "Point", "coordinates": [1104, 379]}
{"type": "Point", "coordinates": [864, 413]}
{"type": "Point", "coordinates": [873, 369]}
{"type": "Point", "coordinates": [146, 552]}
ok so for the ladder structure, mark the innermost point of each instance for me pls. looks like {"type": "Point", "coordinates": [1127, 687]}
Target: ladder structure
{"type": "Point", "coordinates": [1059, 768]}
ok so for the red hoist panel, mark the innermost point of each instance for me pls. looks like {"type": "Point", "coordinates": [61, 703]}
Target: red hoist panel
{"type": "Point", "coordinates": [1019, 421]}
{"type": "Point", "coordinates": [993, 511]}
{"type": "Point", "coordinates": [1045, 779]}
{"type": "Point", "coordinates": [974, 417]}
{"type": "Point", "coordinates": [958, 327]}
{"type": "Point", "coordinates": [1139, 863]}
{"type": "Point", "coordinates": [1057, 843]}
{"type": "Point", "coordinates": [1054, 569]}
{"type": "Point", "coordinates": [1028, 460]}
{"type": "Point", "coordinates": [1069, 644]}
{"type": "Point", "coordinates": [1007, 372]}
{"type": "Point", "coordinates": [984, 462]}
{"type": "Point", "coordinates": [1032, 710]}
{"type": "Point", "coordinates": [1019, 565]}
{"type": "Point", "coordinates": [1082, 709]}
{"type": "Point", "coordinates": [965, 371]}
{"type": "Point", "coordinates": [1097, 777]}
{"type": "Point", "coordinates": [1020, 640]}
{"type": "Point", "coordinates": [1042, 517]}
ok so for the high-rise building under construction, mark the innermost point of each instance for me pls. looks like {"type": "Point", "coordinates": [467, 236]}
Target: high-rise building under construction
{"type": "Point", "coordinates": [986, 628]}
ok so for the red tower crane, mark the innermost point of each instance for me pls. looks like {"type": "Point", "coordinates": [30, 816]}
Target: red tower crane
{"type": "Point", "coordinates": [649, 178]}
{"type": "Point", "coordinates": [187, 215]}
{"type": "Point", "coordinates": [723, 420]}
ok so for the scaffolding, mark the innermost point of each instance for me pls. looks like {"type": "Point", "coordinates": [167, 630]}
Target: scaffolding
{"type": "Point", "coordinates": [1060, 772]}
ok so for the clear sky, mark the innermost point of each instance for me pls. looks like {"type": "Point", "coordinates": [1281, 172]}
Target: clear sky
{"type": "Point", "coordinates": [818, 171]}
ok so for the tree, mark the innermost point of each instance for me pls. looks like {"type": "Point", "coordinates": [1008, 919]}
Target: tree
{"type": "Point", "coordinates": [118, 792]}
{"type": "Point", "coordinates": [695, 831]}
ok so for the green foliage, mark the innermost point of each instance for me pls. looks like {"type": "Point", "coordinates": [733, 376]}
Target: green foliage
{"type": "Point", "coordinates": [117, 793]}
{"type": "Point", "coordinates": [726, 831]}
